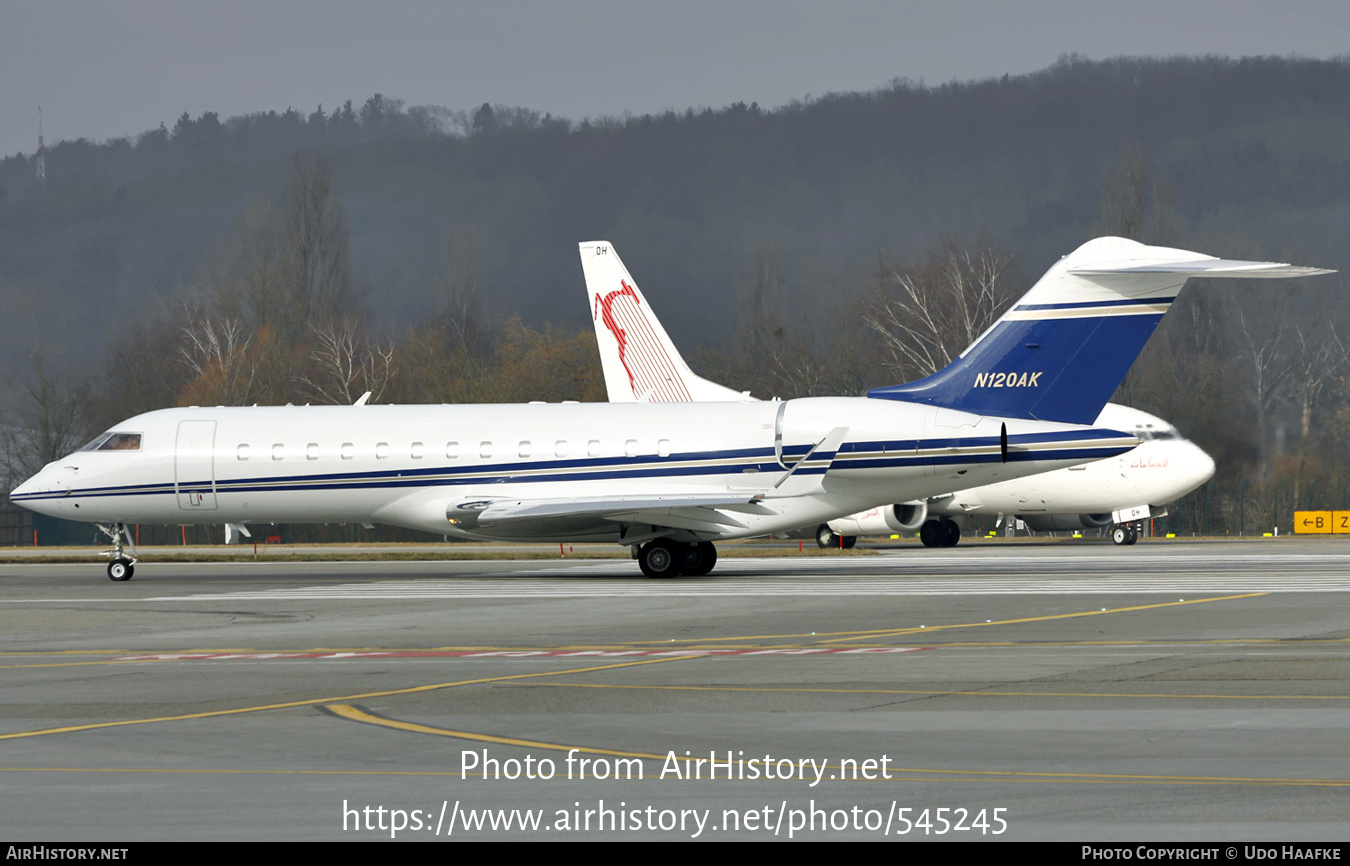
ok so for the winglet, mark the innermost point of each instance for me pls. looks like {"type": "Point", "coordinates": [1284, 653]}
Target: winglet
{"type": "Point", "coordinates": [640, 362]}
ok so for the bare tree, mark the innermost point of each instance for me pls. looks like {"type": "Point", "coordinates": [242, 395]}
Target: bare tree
{"type": "Point", "coordinates": [1270, 369]}
{"type": "Point", "coordinates": [772, 358]}
{"type": "Point", "coordinates": [461, 290]}
{"type": "Point", "coordinates": [346, 363]}
{"type": "Point", "coordinates": [928, 314]}
{"type": "Point", "coordinates": [1134, 208]}
{"type": "Point", "coordinates": [50, 424]}
{"type": "Point", "coordinates": [247, 276]}
{"type": "Point", "coordinates": [216, 351]}
{"type": "Point", "coordinates": [316, 245]}
{"type": "Point", "coordinates": [1319, 357]}
{"type": "Point", "coordinates": [1124, 195]}
{"type": "Point", "coordinates": [1164, 224]}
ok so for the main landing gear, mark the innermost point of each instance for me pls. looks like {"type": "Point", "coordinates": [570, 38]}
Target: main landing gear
{"type": "Point", "coordinates": [940, 533]}
{"type": "Point", "coordinates": [1124, 533]}
{"type": "Point", "coordinates": [825, 538]}
{"type": "Point", "coordinates": [665, 557]}
{"type": "Point", "coordinates": [122, 566]}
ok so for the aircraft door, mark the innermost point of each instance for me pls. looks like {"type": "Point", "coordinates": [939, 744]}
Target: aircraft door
{"type": "Point", "coordinates": [194, 466]}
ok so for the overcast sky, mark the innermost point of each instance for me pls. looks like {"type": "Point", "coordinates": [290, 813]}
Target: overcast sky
{"type": "Point", "coordinates": [107, 69]}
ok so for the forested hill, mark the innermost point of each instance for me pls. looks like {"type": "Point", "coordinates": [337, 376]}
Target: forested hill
{"type": "Point", "coordinates": [1243, 157]}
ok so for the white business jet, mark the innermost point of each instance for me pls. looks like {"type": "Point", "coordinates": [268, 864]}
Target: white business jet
{"type": "Point", "coordinates": [642, 365]}
{"type": "Point", "coordinates": [668, 480]}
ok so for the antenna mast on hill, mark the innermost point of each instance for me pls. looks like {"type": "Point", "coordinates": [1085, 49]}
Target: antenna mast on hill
{"type": "Point", "coordinates": [41, 154]}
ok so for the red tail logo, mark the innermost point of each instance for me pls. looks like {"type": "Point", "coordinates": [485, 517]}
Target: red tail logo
{"type": "Point", "coordinates": [652, 374]}
{"type": "Point", "coordinates": [605, 307]}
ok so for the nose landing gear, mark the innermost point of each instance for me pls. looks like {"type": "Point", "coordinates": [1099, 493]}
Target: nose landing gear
{"type": "Point", "coordinates": [1124, 534]}
{"type": "Point", "coordinates": [122, 566]}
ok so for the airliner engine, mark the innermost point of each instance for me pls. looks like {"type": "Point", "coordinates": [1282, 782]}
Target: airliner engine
{"type": "Point", "coordinates": [885, 520]}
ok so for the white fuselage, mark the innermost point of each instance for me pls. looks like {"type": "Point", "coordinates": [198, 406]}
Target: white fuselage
{"type": "Point", "coordinates": [1154, 473]}
{"type": "Point", "coordinates": [411, 465]}
{"type": "Point", "coordinates": [1163, 468]}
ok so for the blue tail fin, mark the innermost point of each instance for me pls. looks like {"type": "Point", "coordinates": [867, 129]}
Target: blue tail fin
{"type": "Point", "coordinates": [1063, 349]}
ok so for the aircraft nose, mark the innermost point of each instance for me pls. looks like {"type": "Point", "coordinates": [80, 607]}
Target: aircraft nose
{"type": "Point", "coordinates": [51, 477]}
{"type": "Point", "coordinates": [1202, 463]}
{"type": "Point", "coordinates": [27, 487]}
{"type": "Point", "coordinates": [35, 493]}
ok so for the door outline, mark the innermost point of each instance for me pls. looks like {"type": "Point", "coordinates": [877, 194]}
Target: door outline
{"type": "Point", "coordinates": [194, 466]}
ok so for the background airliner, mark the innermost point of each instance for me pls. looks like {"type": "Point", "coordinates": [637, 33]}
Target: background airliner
{"type": "Point", "coordinates": [668, 480]}
{"type": "Point", "coordinates": [641, 364]}
{"type": "Point", "coordinates": [1119, 492]}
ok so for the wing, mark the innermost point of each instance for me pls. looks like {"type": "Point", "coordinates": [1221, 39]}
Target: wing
{"type": "Point", "coordinates": [705, 513]}
{"type": "Point", "coordinates": [638, 516]}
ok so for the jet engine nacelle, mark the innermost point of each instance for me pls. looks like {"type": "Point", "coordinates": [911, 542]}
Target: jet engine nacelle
{"type": "Point", "coordinates": [1063, 522]}
{"type": "Point", "coordinates": [883, 520]}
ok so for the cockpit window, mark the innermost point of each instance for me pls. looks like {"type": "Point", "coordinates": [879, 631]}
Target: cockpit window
{"type": "Point", "coordinates": [120, 442]}
{"type": "Point", "coordinates": [98, 440]}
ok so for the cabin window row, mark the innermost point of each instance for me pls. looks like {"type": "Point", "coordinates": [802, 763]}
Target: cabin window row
{"type": "Point", "coordinates": [417, 450]}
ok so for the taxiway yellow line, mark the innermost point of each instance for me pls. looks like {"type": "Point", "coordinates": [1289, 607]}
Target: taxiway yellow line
{"type": "Point", "coordinates": [841, 636]}
{"type": "Point", "coordinates": [69, 729]}
{"type": "Point", "coordinates": [356, 714]}
{"type": "Point", "coordinates": [1049, 617]}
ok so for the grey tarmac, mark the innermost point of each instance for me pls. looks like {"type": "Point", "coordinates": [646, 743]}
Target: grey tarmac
{"type": "Point", "coordinates": [1173, 691]}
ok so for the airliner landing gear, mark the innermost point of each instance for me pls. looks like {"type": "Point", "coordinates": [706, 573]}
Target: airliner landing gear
{"type": "Point", "coordinates": [940, 533]}
{"type": "Point", "coordinates": [122, 566]}
{"type": "Point", "coordinates": [666, 558]}
{"type": "Point", "coordinates": [1124, 533]}
{"type": "Point", "coordinates": [825, 539]}
{"type": "Point", "coordinates": [697, 559]}
{"type": "Point", "coordinates": [657, 558]}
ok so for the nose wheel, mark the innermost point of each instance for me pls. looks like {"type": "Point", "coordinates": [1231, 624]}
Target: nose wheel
{"type": "Point", "coordinates": [122, 566]}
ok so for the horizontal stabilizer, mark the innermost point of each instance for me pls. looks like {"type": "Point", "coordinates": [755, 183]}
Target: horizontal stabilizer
{"type": "Point", "coordinates": [1226, 268]}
